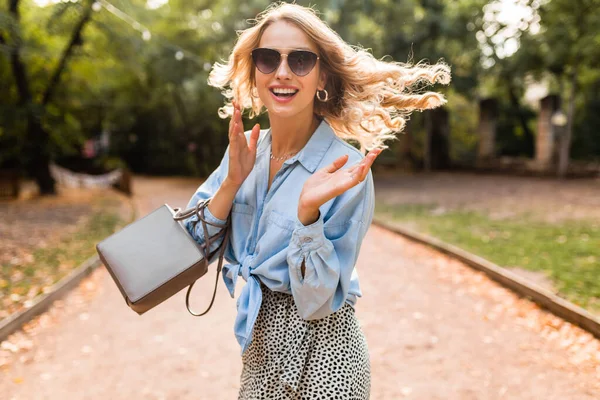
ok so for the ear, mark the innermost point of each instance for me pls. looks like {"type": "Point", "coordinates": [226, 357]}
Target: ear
{"type": "Point", "coordinates": [322, 80]}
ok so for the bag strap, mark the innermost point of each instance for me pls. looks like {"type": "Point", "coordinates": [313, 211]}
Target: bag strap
{"type": "Point", "coordinates": [205, 249]}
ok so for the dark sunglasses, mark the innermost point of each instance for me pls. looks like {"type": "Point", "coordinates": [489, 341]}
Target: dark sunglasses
{"type": "Point", "coordinates": [301, 62]}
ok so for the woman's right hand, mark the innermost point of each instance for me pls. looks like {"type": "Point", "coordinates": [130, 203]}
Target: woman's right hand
{"type": "Point", "coordinates": [242, 154]}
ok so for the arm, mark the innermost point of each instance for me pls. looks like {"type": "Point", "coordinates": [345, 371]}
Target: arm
{"type": "Point", "coordinates": [322, 255]}
{"type": "Point", "coordinates": [222, 192]}
{"type": "Point", "coordinates": [225, 181]}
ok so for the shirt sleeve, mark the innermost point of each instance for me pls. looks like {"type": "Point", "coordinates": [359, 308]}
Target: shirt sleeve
{"type": "Point", "coordinates": [206, 190]}
{"type": "Point", "coordinates": [330, 250]}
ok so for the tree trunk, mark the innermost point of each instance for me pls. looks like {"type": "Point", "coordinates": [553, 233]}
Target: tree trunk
{"type": "Point", "coordinates": [438, 139]}
{"type": "Point", "coordinates": [38, 151]}
{"type": "Point", "coordinates": [75, 41]}
{"type": "Point", "coordinates": [565, 142]}
{"type": "Point", "coordinates": [514, 100]}
{"type": "Point", "coordinates": [37, 140]}
{"type": "Point", "coordinates": [36, 156]}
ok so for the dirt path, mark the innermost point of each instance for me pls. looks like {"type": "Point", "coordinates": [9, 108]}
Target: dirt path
{"type": "Point", "coordinates": [435, 329]}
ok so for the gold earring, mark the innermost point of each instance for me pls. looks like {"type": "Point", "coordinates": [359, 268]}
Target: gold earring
{"type": "Point", "coordinates": [326, 95]}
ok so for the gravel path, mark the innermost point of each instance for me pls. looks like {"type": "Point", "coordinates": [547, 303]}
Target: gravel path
{"type": "Point", "coordinates": [435, 329]}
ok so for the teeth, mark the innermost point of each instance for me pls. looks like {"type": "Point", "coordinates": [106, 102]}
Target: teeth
{"type": "Point", "coordinates": [283, 91]}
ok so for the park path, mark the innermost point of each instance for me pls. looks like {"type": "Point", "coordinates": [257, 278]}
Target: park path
{"type": "Point", "coordinates": [435, 330]}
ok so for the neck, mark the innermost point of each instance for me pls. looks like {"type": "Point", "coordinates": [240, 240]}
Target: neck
{"type": "Point", "coordinates": [290, 134]}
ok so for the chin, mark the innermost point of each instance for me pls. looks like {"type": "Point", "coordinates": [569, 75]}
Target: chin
{"type": "Point", "coordinates": [286, 110]}
{"type": "Point", "coordinates": [283, 113]}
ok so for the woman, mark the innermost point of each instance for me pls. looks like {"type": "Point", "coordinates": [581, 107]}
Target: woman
{"type": "Point", "coordinates": [298, 218]}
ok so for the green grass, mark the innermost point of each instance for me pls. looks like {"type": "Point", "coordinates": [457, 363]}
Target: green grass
{"type": "Point", "coordinates": [569, 252]}
{"type": "Point", "coordinates": [53, 263]}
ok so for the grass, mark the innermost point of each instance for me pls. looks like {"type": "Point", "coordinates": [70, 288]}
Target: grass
{"type": "Point", "coordinates": [50, 264]}
{"type": "Point", "coordinates": [568, 253]}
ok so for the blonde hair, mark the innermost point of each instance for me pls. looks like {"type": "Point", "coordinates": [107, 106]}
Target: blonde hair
{"type": "Point", "coordinates": [369, 99]}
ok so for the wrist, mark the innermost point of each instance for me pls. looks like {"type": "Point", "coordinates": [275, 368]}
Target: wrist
{"type": "Point", "coordinates": [228, 184]}
{"type": "Point", "coordinates": [308, 216]}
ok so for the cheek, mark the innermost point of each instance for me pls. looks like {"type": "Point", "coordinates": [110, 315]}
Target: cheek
{"type": "Point", "coordinates": [309, 88]}
{"type": "Point", "coordinates": [261, 82]}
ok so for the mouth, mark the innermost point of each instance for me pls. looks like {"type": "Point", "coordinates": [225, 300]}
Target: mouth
{"type": "Point", "coordinates": [285, 94]}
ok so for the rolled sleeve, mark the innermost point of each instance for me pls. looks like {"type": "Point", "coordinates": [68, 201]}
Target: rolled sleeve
{"type": "Point", "coordinates": [309, 237]}
{"type": "Point", "coordinates": [209, 217]}
{"type": "Point", "coordinates": [329, 249]}
{"type": "Point", "coordinates": [198, 233]}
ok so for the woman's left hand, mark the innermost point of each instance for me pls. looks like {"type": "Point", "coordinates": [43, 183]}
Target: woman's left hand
{"type": "Point", "coordinates": [329, 182]}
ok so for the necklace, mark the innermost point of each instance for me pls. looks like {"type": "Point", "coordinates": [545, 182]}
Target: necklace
{"type": "Point", "coordinates": [282, 158]}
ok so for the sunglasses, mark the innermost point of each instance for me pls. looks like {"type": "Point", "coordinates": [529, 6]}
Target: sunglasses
{"type": "Point", "coordinates": [301, 62]}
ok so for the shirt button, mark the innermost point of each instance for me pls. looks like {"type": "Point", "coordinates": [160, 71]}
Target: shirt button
{"type": "Point", "coordinates": [306, 239]}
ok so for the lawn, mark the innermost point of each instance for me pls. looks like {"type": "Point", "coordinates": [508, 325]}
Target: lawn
{"type": "Point", "coordinates": [567, 252]}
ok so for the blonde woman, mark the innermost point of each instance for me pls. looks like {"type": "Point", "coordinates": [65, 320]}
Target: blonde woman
{"type": "Point", "coordinates": [301, 198]}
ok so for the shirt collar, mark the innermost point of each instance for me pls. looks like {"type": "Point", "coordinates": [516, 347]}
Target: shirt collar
{"type": "Point", "coordinates": [312, 153]}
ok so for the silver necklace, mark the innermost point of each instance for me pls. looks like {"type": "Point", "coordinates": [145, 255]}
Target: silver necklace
{"type": "Point", "coordinates": [282, 158]}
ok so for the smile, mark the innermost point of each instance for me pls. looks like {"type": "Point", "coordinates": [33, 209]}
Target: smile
{"type": "Point", "coordinates": [283, 95]}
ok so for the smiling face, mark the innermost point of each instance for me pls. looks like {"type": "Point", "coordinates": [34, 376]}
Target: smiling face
{"type": "Point", "coordinates": [286, 37]}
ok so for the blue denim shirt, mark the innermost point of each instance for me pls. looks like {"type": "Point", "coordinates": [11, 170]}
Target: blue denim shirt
{"type": "Point", "coordinates": [268, 242]}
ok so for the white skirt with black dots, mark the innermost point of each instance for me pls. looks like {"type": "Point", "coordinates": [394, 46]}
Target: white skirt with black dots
{"type": "Point", "coordinates": [293, 359]}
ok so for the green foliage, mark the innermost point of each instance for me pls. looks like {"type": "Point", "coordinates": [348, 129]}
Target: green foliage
{"type": "Point", "coordinates": [157, 105]}
{"type": "Point", "coordinates": [463, 127]}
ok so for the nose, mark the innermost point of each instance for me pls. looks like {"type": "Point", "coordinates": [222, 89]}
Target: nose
{"type": "Point", "coordinates": [283, 71]}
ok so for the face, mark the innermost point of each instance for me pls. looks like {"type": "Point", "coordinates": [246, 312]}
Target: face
{"type": "Point", "coordinates": [286, 37]}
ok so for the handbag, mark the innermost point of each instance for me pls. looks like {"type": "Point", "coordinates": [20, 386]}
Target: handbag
{"type": "Point", "coordinates": [155, 257]}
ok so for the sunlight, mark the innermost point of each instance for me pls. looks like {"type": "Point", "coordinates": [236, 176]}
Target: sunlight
{"type": "Point", "coordinates": [154, 4]}
{"type": "Point", "coordinates": [150, 4]}
{"type": "Point", "coordinates": [46, 3]}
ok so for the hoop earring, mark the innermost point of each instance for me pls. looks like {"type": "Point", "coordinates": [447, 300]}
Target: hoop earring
{"type": "Point", "coordinates": [326, 95]}
{"type": "Point", "coordinates": [254, 92]}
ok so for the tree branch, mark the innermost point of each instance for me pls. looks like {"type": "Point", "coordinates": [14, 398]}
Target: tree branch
{"type": "Point", "coordinates": [75, 40]}
{"type": "Point", "coordinates": [17, 66]}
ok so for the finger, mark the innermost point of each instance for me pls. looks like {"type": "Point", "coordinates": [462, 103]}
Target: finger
{"type": "Point", "coordinates": [236, 118]}
{"type": "Point", "coordinates": [242, 134]}
{"type": "Point", "coordinates": [337, 164]}
{"type": "Point", "coordinates": [356, 175]}
{"type": "Point", "coordinates": [233, 136]}
{"type": "Point", "coordinates": [234, 125]}
{"type": "Point", "coordinates": [240, 116]}
{"type": "Point", "coordinates": [353, 168]}
{"type": "Point", "coordinates": [240, 122]}
{"type": "Point", "coordinates": [233, 118]}
{"type": "Point", "coordinates": [366, 163]}
{"type": "Point", "coordinates": [254, 137]}
{"type": "Point", "coordinates": [360, 163]}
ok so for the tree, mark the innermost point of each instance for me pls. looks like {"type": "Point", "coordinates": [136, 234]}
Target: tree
{"type": "Point", "coordinates": [37, 141]}
{"type": "Point", "coordinates": [566, 48]}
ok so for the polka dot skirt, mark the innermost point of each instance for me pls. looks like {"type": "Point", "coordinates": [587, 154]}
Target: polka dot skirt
{"type": "Point", "coordinates": [293, 359]}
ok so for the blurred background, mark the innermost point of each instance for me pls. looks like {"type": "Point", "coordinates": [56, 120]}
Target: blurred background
{"type": "Point", "coordinates": [98, 95]}
{"type": "Point", "coordinates": [93, 85]}
{"type": "Point", "coordinates": [97, 91]}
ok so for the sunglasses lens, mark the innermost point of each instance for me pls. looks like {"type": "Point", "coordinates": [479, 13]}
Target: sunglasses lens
{"type": "Point", "coordinates": [302, 62]}
{"type": "Point", "coordinates": [266, 60]}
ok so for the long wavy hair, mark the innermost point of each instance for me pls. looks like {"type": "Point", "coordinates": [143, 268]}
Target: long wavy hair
{"type": "Point", "coordinates": [369, 99]}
